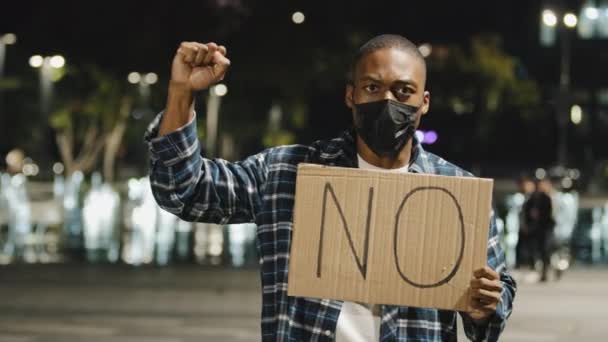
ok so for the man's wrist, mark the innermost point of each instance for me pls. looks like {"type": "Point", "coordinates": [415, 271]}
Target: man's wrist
{"type": "Point", "coordinates": [482, 322]}
{"type": "Point", "coordinates": [180, 96]}
{"type": "Point", "coordinates": [180, 108]}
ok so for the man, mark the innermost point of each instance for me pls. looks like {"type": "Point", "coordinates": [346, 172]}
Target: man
{"type": "Point", "coordinates": [538, 211]}
{"type": "Point", "coordinates": [387, 96]}
{"type": "Point", "coordinates": [14, 197]}
{"type": "Point", "coordinates": [523, 249]}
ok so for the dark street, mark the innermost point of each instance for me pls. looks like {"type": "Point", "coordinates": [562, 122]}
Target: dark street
{"type": "Point", "coordinates": [65, 303]}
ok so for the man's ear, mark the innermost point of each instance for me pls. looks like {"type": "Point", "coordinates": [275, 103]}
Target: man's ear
{"type": "Point", "coordinates": [348, 95]}
{"type": "Point", "coordinates": [426, 102]}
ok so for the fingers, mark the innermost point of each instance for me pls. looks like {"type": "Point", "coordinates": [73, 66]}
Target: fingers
{"type": "Point", "coordinates": [197, 54]}
{"type": "Point", "coordinates": [220, 65]}
{"type": "Point", "coordinates": [201, 64]}
{"type": "Point", "coordinates": [222, 50]}
{"type": "Point", "coordinates": [200, 55]}
{"type": "Point", "coordinates": [486, 290]}
{"type": "Point", "coordinates": [487, 284]}
{"type": "Point", "coordinates": [486, 296]}
{"type": "Point", "coordinates": [484, 300]}
{"type": "Point", "coordinates": [210, 53]}
{"type": "Point", "coordinates": [486, 272]}
{"type": "Point", "coordinates": [188, 51]}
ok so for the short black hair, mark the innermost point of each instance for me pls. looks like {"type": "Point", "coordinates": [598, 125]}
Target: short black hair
{"type": "Point", "coordinates": [384, 41]}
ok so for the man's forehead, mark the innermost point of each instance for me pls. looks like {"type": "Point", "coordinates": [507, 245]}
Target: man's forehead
{"type": "Point", "coordinates": [395, 64]}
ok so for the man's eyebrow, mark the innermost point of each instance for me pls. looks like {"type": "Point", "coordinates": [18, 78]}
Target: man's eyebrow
{"type": "Point", "coordinates": [376, 78]}
{"type": "Point", "coordinates": [371, 77]}
{"type": "Point", "coordinates": [407, 81]}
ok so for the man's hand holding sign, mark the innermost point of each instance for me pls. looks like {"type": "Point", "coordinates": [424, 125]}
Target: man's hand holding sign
{"type": "Point", "coordinates": [486, 290]}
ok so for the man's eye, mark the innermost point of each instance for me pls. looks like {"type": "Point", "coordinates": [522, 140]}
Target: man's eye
{"type": "Point", "coordinates": [404, 91]}
{"type": "Point", "coordinates": [372, 88]}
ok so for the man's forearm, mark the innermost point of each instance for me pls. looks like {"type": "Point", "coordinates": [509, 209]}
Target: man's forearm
{"type": "Point", "coordinates": [180, 108]}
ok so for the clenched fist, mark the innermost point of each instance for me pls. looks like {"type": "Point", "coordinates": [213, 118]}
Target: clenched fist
{"type": "Point", "coordinates": [197, 66]}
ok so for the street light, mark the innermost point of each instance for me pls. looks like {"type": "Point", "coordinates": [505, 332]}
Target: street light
{"type": "Point", "coordinates": [298, 17]}
{"type": "Point", "coordinates": [425, 50]}
{"type": "Point", "coordinates": [48, 66]}
{"type": "Point", "coordinates": [570, 20]}
{"type": "Point", "coordinates": [144, 81]}
{"type": "Point", "coordinates": [549, 29]}
{"type": "Point", "coordinates": [36, 61]}
{"type": "Point", "coordinates": [57, 62]}
{"type": "Point", "coordinates": [134, 77]}
{"type": "Point", "coordinates": [591, 13]}
{"type": "Point", "coordinates": [576, 114]}
{"type": "Point", "coordinates": [593, 21]}
{"type": "Point", "coordinates": [549, 18]}
{"type": "Point", "coordinates": [8, 39]}
{"type": "Point", "coordinates": [48, 62]}
{"type": "Point", "coordinates": [151, 78]}
{"type": "Point", "coordinates": [220, 90]}
{"type": "Point", "coordinates": [5, 39]}
{"type": "Point", "coordinates": [213, 111]}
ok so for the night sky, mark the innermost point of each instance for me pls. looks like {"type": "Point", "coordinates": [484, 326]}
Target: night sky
{"type": "Point", "coordinates": [266, 49]}
{"type": "Point", "coordinates": [128, 34]}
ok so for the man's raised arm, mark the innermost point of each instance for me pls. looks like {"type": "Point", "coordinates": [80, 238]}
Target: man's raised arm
{"type": "Point", "coordinates": [183, 182]}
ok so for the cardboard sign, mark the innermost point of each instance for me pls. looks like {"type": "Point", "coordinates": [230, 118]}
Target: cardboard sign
{"type": "Point", "coordinates": [388, 238]}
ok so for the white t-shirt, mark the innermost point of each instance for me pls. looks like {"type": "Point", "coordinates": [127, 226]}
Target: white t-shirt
{"type": "Point", "coordinates": [359, 322]}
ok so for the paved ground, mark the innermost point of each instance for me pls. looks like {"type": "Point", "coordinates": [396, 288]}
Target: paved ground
{"type": "Point", "coordinates": [573, 309]}
{"type": "Point", "coordinates": [66, 303]}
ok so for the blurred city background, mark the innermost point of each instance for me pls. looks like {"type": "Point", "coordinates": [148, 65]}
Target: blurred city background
{"type": "Point", "coordinates": [519, 94]}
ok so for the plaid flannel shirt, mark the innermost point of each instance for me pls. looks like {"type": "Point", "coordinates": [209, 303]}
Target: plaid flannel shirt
{"type": "Point", "coordinates": [261, 189]}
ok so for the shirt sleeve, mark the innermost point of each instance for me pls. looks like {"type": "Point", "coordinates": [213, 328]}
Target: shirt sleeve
{"type": "Point", "coordinates": [491, 330]}
{"type": "Point", "coordinates": [199, 189]}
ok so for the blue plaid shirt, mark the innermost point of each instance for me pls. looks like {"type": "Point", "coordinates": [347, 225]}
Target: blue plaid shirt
{"type": "Point", "coordinates": [261, 189]}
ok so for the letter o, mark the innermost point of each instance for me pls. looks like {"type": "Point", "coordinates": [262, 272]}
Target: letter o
{"type": "Point", "coordinates": [462, 240]}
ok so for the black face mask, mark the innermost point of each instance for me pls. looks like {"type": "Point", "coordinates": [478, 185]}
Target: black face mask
{"type": "Point", "coordinates": [386, 126]}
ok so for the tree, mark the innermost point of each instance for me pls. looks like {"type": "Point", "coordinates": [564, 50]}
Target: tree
{"type": "Point", "coordinates": [91, 119]}
{"type": "Point", "coordinates": [491, 91]}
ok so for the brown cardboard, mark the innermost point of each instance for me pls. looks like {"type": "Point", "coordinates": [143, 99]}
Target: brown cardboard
{"type": "Point", "coordinates": [434, 264]}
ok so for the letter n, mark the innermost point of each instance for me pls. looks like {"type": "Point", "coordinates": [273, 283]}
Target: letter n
{"type": "Point", "coordinates": [361, 262]}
